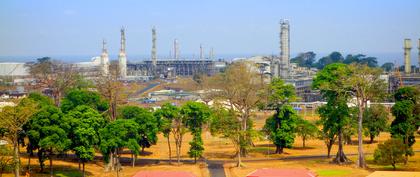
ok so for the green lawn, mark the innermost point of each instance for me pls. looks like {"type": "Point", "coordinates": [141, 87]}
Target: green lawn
{"type": "Point", "coordinates": [67, 173]}
{"type": "Point", "coordinates": [333, 172]}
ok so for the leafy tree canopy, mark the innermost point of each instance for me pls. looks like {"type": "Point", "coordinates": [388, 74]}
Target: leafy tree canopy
{"type": "Point", "coordinates": [281, 127]}
{"type": "Point", "coordinates": [390, 152]}
{"type": "Point", "coordinates": [148, 124]}
{"type": "Point", "coordinates": [119, 134]}
{"type": "Point", "coordinates": [78, 97]}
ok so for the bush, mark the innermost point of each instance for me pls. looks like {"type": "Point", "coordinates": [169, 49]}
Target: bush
{"type": "Point", "coordinates": [390, 152]}
{"type": "Point", "coordinates": [6, 160]}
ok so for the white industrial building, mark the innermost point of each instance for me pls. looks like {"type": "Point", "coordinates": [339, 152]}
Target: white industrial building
{"type": "Point", "coordinates": [13, 69]}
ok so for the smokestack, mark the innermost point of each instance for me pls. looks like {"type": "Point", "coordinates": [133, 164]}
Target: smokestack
{"type": "Point", "coordinates": [201, 52]}
{"type": "Point", "coordinates": [211, 54]}
{"type": "Point", "coordinates": [122, 58]}
{"type": "Point", "coordinates": [176, 49]}
{"type": "Point", "coordinates": [284, 48]}
{"type": "Point", "coordinates": [418, 46]}
{"type": "Point", "coordinates": [407, 59]}
{"type": "Point", "coordinates": [154, 57]}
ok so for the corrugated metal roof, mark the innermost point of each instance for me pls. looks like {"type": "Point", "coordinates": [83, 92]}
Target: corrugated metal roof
{"type": "Point", "coordinates": [13, 69]}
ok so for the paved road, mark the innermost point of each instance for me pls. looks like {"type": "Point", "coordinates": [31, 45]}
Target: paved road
{"type": "Point", "coordinates": [216, 168]}
{"type": "Point", "coordinates": [150, 86]}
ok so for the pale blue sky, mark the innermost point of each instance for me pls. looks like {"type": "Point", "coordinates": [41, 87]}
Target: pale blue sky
{"type": "Point", "coordinates": [76, 27]}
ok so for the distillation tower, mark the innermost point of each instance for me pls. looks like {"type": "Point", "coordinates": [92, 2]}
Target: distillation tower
{"type": "Point", "coordinates": [122, 57]}
{"type": "Point", "coordinates": [284, 49]}
{"type": "Point", "coordinates": [104, 58]}
{"type": "Point", "coordinates": [407, 59]}
{"type": "Point", "coordinates": [154, 56]}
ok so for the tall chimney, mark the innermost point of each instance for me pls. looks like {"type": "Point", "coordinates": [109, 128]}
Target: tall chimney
{"type": "Point", "coordinates": [176, 49]}
{"type": "Point", "coordinates": [284, 48]}
{"type": "Point", "coordinates": [418, 46]}
{"type": "Point", "coordinates": [407, 59]}
{"type": "Point", "coordinates": [154, 57]}
{"type": "Point", "coordinates": [122, 58]}
{"type": "Point", "coordinates": [201, 52]}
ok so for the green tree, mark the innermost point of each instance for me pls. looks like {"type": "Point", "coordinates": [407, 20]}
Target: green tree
{"type": "Point", "coordinates": [78, 97]}
{"type": "Point", "coordinates": [6, 159]}
{"type": "Point", "coordinates": [334, 57]}
{"type": "Point", "coordinates": [225, 124]}
{"type": "Point", "coordinates": [196, 114]}
{"type": "Point", "coordinates": [306, 130]}
{"type": "Point", "coordinates": [388, 67]}
{"type": "Point", "coordinates": [49, 130]}
{"type": "Point", "coordinates": [239, 89]}
{"type": "Point", "coordinates": [335, 115]}
{"type": "Point", "coordinates": [390, 152]}
{"type": "Point", "coordinates": [85, 123]}
{"type": "Point", "coordinates": [13, 118]}
{"type": "Point", "coordinates": [281, 127]}
{"type": "Point", "coordinates": [361, 59]}
{"type": "Point", "coordinates": [375, 121]}
{"type": "Point", "coordinates": [328, 132]}
{"type": "Point", "coordinates": [165, 116]}
{"type": "Point", "coordinates": [148, 124]}
{"type": "Point", "coordinates": [366, 84]}
{"type": "Point", "coordinates": [407, 119]}
{"type": "Point", "coordinates": [40, 99]}
{"type": "Point", "coordinates": [119, 134]}
{"type": "Point", "coordinates": [33, 136]}
{"type": "Point", "coordinates": [306, 59]}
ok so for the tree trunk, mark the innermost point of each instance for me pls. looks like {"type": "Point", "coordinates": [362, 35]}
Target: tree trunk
{"type": "Point", "coordinates": [83, 174]}
{"type": "Point", "coordinates": [329, 146]}
{"type": "Point", "coordinates": [239, 164]}
{"type": "Point", "coordinates": [118, 163]}
{"type": "Point", "coordinates": [303, 141]}
{"type": "Point", "coordinates": [79, 164]}
{"type": "Point", "coordinates": [361, 159]}
{"type": "Point", "coordinates": [111, 165]}
{"type": "Point", "coordinates": [406, 149]}
{"type": "Point", "coordinates": [29, 162]}
{"type": "Point", "coordinates": [40, 159]}
{"type": "Point", "coordinates": [340, 157]}
{"type": "Point", "coordinates": [279, 149]}
{"type": "Point", "coordinates": [177, 152]}
{"type": "Point", "coordinates": [16, 157]}
{"type": "Point", "coordinates": [371, 139]}
{"type": "Point", "coordinates": [170, 150]}
{"type": "Point", "coordinates": [133, 160]}
{"type": "Point", "coordinates": [51, 163]}
{"type": "Point", "coordinates": [57, 98]}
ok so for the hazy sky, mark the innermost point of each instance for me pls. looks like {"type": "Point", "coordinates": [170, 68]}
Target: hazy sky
{"type": "Point", "coordinates": [76, 27]}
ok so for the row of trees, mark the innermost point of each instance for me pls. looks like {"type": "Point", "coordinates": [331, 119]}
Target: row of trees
{"type": "Point", "coordinates": [342, 84]}
{"type": "Point", "coordinates": [81, 125]}
{"type": "Point", "coordinates": [307, 59]}
{"type": "Point", "coordinates": [239, 91]}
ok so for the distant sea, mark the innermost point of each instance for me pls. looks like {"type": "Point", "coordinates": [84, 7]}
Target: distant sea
{"type": "Point", "coordinates": [382, 57]}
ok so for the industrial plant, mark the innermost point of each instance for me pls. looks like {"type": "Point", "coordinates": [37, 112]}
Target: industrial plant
{"type": "Point", "coordinates": [178, 66]}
